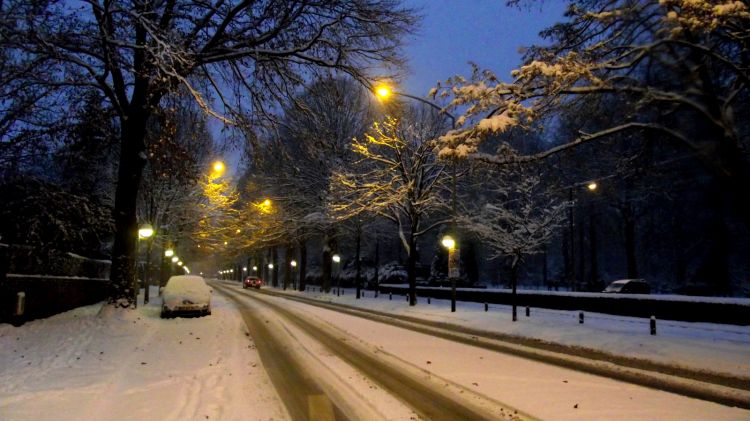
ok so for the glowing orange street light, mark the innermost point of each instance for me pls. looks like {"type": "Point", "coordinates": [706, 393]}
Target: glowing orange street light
{"type": "Point", "coordinates": [218, 167]}
{"type": "Point", "coordinates": [383, 91]}
{"type": "Point", "coordinates": [592, 186]}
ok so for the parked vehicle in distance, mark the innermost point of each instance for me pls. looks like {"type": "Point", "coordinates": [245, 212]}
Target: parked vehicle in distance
{"type": "Point", "coordinates": [252, 282]}
{"type": "Point", "coordinates": [628, 286]}
{"type": "Point", "coordinates": [186, 295]}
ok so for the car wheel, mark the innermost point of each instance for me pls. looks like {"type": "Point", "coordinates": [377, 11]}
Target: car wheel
{"type": "Point", "coordinates": [165, 314]}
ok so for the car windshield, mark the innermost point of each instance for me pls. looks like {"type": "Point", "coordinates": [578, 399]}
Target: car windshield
{"type": "Point", "coordinates": [615, 287]}
{"type": "Point", "coordinates": [187, 285]}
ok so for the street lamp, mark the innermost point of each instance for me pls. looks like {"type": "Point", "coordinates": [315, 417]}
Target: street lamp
{"type": "Point", "coordinates": [450, 244]}
{"type": "Point", "coordinates": [144, 233]}
{"type": "Point", "coordinates": [266, 206]}
{"type": "Point", "coordinates": [255, 268]}
{"type": "Point", "coordinates": [168, 253]}
{"type": "Point", "coordinates": [383, 91]}
{"type": "Point", "coordinates": [293, 264]}
{"type": "Point", "coordinates": [179, 263]}
{"type": "Point", "coordinates": [175, 259]}
{"type": "Point", "coordinates": [591, 186]}
{"type": "Point", "coordinates": [218, 168]}
{"type": "Point", "coordinates": [337, 259]}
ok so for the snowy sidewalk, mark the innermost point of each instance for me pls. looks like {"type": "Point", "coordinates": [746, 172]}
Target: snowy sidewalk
{"type": "Point", "coordinates": [100, 363]}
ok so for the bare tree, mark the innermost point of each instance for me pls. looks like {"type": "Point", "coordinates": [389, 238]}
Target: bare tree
{"type": "Point", "coordinates": [682, 64]}
{"type": "Point", "coordinates": [398, 177]}
{"type": "Point", "coordinates": [519, 220]}
{"type": "Point", "coordinates": [227, 52]}
{"type": "Point", "coordinates": [312, 141]}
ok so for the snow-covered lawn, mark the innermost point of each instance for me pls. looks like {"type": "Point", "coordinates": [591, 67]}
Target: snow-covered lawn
{"type": "Point", "coordinates": [98, 363]}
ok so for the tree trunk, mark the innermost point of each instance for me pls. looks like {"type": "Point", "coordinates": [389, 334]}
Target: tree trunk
{"type": "Point", "coordinates": [571, 263]}
{"type": "Point", "coordinates": [376, 281]}
{"type": "Point", "coordinates": [288, 252]}
{"type": "Point", "coordinates": [630, 251]}
{"type": "Point", "coordinates": [514, 284]}
{"type": "Point", "coordinates": [275, 270]}
{"type": "Point", "coordinates": [328, 248]}
{"type": "Point", "coordinates": [593, 252]}
{"type": "Point", "coordinates": [411, 269]}
{"type": "Point", "coordinates": [302, 265]}
{"type": "Point", "coordinates": [679, 246]}
{"type": "Point", "coordinates": [132, 160]}
{"type": "Point", "coordinates": [581, 271]}
{"type": "Point", "coordinates": [545, 269]}
{"type": "Point", "coordinates": [357, 262]}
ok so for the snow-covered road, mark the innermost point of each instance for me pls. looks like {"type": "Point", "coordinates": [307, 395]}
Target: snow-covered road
{"type": "Point", "coordinates": [98, 363]}
{"type": "Point", "coordinates": [537, 389]}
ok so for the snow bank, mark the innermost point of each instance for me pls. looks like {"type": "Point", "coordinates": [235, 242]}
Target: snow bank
{"type": "Point", "coordinates": [101, 363]}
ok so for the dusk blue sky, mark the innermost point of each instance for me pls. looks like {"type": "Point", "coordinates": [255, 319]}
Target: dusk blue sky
{"type": "Point", "coordinates": [487, 32]}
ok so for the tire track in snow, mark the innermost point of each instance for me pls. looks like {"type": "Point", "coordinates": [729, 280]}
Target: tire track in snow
{"type": "Point", "coordinates": [712, 387]}
{"type": "Point", "coordinates": [420, 390]}
{"type": "Point", "coordinates": [302, 396]}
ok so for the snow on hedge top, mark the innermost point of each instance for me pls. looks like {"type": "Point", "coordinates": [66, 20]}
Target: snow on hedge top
{"type": "Point", "coordinates": [189, 287]}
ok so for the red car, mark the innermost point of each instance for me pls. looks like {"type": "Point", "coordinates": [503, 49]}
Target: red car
{"type": "Point", "coordinates": [252, 281]}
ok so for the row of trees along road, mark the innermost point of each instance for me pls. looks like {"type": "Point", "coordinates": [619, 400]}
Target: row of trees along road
{"type": "Point", "coordinates": [632, 94]}
{"type": "Point", "coordinates": [674, 73]}
{"type": "Point", "coordinates": [240, 55]}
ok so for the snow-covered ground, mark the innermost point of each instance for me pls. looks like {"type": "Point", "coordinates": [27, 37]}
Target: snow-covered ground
{"type": "Point", "coordinates": [98, 363]}
{"type": "Point", "coordinates": [704, 346]}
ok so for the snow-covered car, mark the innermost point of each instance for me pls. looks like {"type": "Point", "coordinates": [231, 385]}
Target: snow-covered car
{"type": "Point", "coordinates": [186, 295]}
{"type": "Point", "coordinates": [629, 286]}
{"type": "Point", "coordinates": [252, 282]}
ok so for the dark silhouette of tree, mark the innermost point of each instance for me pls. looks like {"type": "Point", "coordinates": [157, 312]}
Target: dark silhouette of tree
{"type": "Point", "coordinates": [238, 55]}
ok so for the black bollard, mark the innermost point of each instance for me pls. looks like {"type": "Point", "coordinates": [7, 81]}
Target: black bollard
{"type": "Point", "coordinates": [486, 307]}
{"type": "Point", "coordinates": [390, 296]}
{"type": "Point", "coordinates": [653, 325]}
{"type": "Point", "coordinates": [580, 317]}
{"type": "Point", "coordinates": [407, 297]}
{"type": "Point", "coordinates": [428, 300]}
{"type": "Point", "coordinates": [528, 311]}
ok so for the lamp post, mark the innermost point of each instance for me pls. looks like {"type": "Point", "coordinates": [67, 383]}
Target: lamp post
{"type": "Point", "coordinates": [165, 266]}
{"type": "Point", "coordinates": [383, 91]}
{"type": "Point", "coordinates": [591, 186]}
{"type": "Point", "coordinates": [270, 270]}
{"type": "Point", "coordinates": [217, 169]}
{"type": "Point", "coordinates": [145, 232]}
{"type": "Point", "coordinates": [337, 260]}
{"type": "Point", "coordinates": [293, 264]}
{"type": "Point", "coordinates": [450, 244]}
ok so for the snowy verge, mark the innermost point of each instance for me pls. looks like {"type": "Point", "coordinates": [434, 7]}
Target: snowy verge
{"type": "Point", "coordinates": [100, 363]}
{"type": "Point", "coordinates": [706, 347]}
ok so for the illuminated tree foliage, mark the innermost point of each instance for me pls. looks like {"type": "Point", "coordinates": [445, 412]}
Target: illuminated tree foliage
{"type": "Point", "coordinates": [398, 177]}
